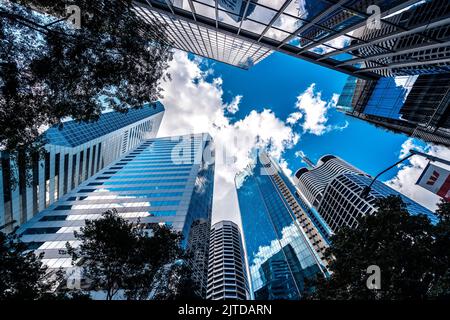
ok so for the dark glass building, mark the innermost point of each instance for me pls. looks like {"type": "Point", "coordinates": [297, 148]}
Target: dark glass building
{"type": "Point", "coordinates": [411, 47]}
{"type": "Point", "coordinates": [414, 41]}
{"type": "Point", "coordinates": [428, 101]}
{"type": "Point", "coordinates": [418, 106]}
{"type": "Point", "coordinates": [410, 37]}
{"type": "Point", "coordinates": [283, 245]}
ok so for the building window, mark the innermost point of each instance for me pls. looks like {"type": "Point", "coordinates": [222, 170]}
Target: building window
{"type": "Point", "coordinates": [99, 156]}
{"type": "Point", "coordinates": [57, 160]}
{"type": "Point", "coordinates": [47, 179]}
{"type": "Point", "coordinates": [88, 155]}
{"type": "Point", "coordinates": [74, 168]}
{"type": "Point", "coordinates": [41, 230]}
{"type": "Point", "coordinates": [65, 207]}
{"type": "Point", "coordinates": [35, 166]}
{"type": "Point", "coordinates": [93, 159]}
{"type": "Point", "coordinates": [22, 186]}
{"type": "Point", "coordinates": [66, 173]}
{"type": "Point", "coordinates": [54, 218]}
{"type": "Point", "coordinates": [80, 171]}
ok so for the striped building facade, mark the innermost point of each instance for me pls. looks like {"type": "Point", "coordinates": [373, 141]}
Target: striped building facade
{"type": "Point", "coordinates": [72, 155]}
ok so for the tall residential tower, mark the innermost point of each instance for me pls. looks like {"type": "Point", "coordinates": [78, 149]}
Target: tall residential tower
{"type": "Point", "coordinates": [227, 276]}
{"type": "Point", "coordinates": [334, 188]}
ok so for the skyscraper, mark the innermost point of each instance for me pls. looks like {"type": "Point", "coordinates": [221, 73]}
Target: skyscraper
{"type": "Point", "coordinates": [394, 49]}
{"type": "Point", "coordinates": [163, 180]}
{"type": "Point", "coordinates": [227, 276]}
{"type": "Point", "coordinates": [73, 153]}
{"type": "Point", "coordinates": [284, 245]}
{"type": "Point", "coordinates": [199, 251]}
{"type": "Point", "coordinates": [312, 183]}
{"type": "Point", "coordinates": [412, 47]}
{"type": "Point", "coordinates": [348, 36]}
{"type": "Point", "coordinates": [334, 189]}
{"type": "Point", "coordinates": [418, 106]}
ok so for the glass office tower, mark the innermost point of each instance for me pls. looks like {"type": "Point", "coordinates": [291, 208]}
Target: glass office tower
{"type": "Point", "coordinates": [341, 35]}
{"type": "Point", "coordinates": [280, 254]}
{"type": "Point", "coordinates": [73, 153]}
{"type": "Point", "coordinates": [412, 48]}
{"type": "Point", "coordinates": [418, 106]}
{"type": "Point", "coordinates": [164, 180]}
{"type": "Point", "coordinates": [420, 46]}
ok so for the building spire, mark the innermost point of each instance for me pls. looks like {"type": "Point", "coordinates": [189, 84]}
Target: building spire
{"type": "Point", "coordinates": [310, 164]}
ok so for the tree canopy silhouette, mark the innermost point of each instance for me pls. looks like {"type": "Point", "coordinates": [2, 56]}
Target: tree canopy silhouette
{"type": "Point", "coordinates": [51, 71]}
{"type": "Point", "coordinates": [24, 277]}
{"type": "Point", "coordinates": [119, 256]}
{"type": "Point", "coordinates": [413, 256]}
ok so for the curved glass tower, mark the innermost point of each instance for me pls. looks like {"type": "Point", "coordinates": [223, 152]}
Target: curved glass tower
{"type": "Point", "coordinates": [333, 189]}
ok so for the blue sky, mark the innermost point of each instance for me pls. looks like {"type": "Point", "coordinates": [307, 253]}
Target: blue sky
{"type": "Point", "coordinates": [245, 108]}
{"type": "Point", "coordinates": [276, 82]}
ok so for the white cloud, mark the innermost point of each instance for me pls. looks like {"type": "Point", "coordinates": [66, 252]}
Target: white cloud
{"type": "Point", "coordinates": [195, 105]}
{"type": "Point", "coordinates": [337, 43]}
{"type": "Point", "coordinates": [314, 112]}
{"type": "Point", "coordinates": [233, 106]}
{"type": "Point", "coordinates": [314, 108]}
{"type": "Point", "coordinates": [338, 127]}
{"type": "Point", "coordinates": [406, 82]}
{"type": "Point", "coordinates": [407, 176]}
{"type": "Point", "coordinates": [294, 117]}
{"type": "Point", "coordinates": [285, 168]}
{"type": "Point", "coordinates": [300, 154]}
{"type": "Point", "coordinates": [406, 146]}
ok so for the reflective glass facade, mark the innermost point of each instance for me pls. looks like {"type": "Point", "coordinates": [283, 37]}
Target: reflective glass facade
{"type": "Point", "coordinates": [388, 98]}
{"type": "Point", "coordinates": [411, 47]}
{"type": "Point", "coordinates": [73, 153]}
{"type": "Point", "coordinates": [279, 254]}
{"type": "Point", "coordinates": [181, 198]}
{"type": "Point", "coordinates": [202, 40]}
{"type": "Point", "coordinates": [410, 38]}
{"type": "Point", "coordinates": [164, 199]}
{"type": "Point", "coordinates": [413, 41]}
{"type": "Point", "coordinates": [418, 106]}
{"type": "Point", "coordinates": [74, 133]}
